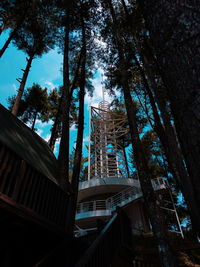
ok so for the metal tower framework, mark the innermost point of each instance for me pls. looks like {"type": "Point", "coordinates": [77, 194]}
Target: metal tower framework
{"type": "Point", "coordinates": [106, 157]}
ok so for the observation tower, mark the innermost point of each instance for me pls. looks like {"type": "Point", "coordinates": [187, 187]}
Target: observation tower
{"type": "Point", "coordinates": [108, 184]}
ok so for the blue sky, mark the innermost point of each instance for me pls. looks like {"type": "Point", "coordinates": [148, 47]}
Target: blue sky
{"type": "Point", "coordinates": [45, 71]}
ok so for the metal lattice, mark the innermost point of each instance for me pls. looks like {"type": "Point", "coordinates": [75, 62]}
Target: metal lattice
{"type": "Point", "coordinates": [106, 158]}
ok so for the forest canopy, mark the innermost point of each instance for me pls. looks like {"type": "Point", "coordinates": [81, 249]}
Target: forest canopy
{"type": "Point", "coordinates": [148, 52]}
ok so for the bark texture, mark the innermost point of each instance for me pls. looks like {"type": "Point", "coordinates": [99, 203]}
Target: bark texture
{"type": "Point", "coordinates": [63, 157]}
{"type": "Point", "coordinates": [79, 140]}
{"type": "Point", "coordinates": [174, 29]}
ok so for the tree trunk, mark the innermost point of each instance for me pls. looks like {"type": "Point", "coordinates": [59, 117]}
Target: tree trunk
{"type": "Point", "coordinates": [5, 46]}
{"type": "Point", "coordinates": [177, 162]}
{"type": "Point", "coordinates": [22, 85]}
{"type": "Point", "coordinates": [63, 157]}
{"type": "Point", "coordinates": [79, 140]}
{"type": "Point", "coordinates": [34, 120]}
{"type": "Point", "coordinates": [54, 129]}
{"type": "Point", "coordinates": [54, 132]}
{"type": "Point", "coordinates": [174, 29]}
{"type": "Point", "coordinates": [125, 159]}
{"type": "Point", "coordinates": [76, 74]}
{"type": "Point", "coordinates": [157, 122]}
{"type": "Point", "coordinates": [11, 36]}
{"type": "Point", "coordinates": [158, 127]}
{"type": "Point", "coordinates": [151, 201]}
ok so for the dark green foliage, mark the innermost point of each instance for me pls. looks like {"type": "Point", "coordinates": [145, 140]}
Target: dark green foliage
{"type": "Point", "coordinates": [155, 154]}
{"type": "Point", "coordinates": [33, 105]}
{"type": "Point", "coordinates": [12, 13]}
{"type": "Point", "coordinates": [35, 37]}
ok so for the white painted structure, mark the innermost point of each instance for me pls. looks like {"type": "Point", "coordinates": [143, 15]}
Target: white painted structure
{"type": "Point", "coordinates": [108, 184]}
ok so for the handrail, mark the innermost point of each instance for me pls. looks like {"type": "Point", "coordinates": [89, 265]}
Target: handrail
{"type": "Point", "coordinates": [120, 199]}
{"type": "Point", "coordinates": [124, 197]}
{"type": "Point", "coordinates": [25, 187]}
{"type": "Point", "coordinates": [116, 233]}
{"type": "Point", "coordinates": [92, 206]}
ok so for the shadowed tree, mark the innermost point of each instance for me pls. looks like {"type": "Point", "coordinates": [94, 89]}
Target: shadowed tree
{"type": "Point", "coordinates": [54, 102]}
{"type": "Point", "coordinates": [54, 113]}
{"type": "Point", "coordinates": [124, 140]}
{"type": "Point", "coordinates": [73, 54]}
{"type": "Point", "coordinates": [173, 28]}
{"type": "Point", "coordinates": [33, 105]}
{"type": "Point", "coordinates": [80, 82]}
{"type": "Point", "coordinates": [7, 14]}
{"type": "Point", "coordinates": [34, 39]}
{"type": "Point", "coordinates": [119, 111]}
{"type": "Point", "coordinates": [63, 156]}
{"type": "Point", "coordinates": [145, 66]}
{"type": "Point", "coordinates": [152, 203]}
{"type": "Point", "coordinates": [13, 15]}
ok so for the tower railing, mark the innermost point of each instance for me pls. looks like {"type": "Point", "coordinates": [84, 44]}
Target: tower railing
{"type": "Point", "coordinates": [120, 199]}
{"type": "Point", "coordinates": [92, 206]}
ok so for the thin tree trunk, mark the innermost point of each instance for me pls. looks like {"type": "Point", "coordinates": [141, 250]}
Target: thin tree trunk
{"type": "Point", "coordinates": [76, 74]}
{"type": "Point", "coordinates": [63, 157]}
{"type": "Point", "coordinates": [157, 122]}
{"type": "Point", "coordinates": [54, 133]}
{"type": "Point", "coordinates": [22, 85]}
{"type": "Point", "coordinates": [11, 36]}
{"type": "Point", "coordinates": [34, 120]}
{"type": "Point", "coordinates": [54, 130]}
{"type": "Point", "coordinates": [151, 201]}
{"type": "Point", "coordinates": [125, 159]}
{"type": "Point", "coordinates": [5, 46]}
{"type": "Point", "coordinates": [158, 127]}
{"type": "Point", "coordinates": [174, 28]}
{"type": "Point", "coordinates": [79, 140]}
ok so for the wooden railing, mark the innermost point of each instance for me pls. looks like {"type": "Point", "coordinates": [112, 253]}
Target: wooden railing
{"type": "Point", "coordinates": [25, 187]}
{"type": "Point", "coordinates": [116, 234]}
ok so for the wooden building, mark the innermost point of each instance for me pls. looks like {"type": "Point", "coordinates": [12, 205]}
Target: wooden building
{"type": "Point", "coordinates": [32, 204]}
